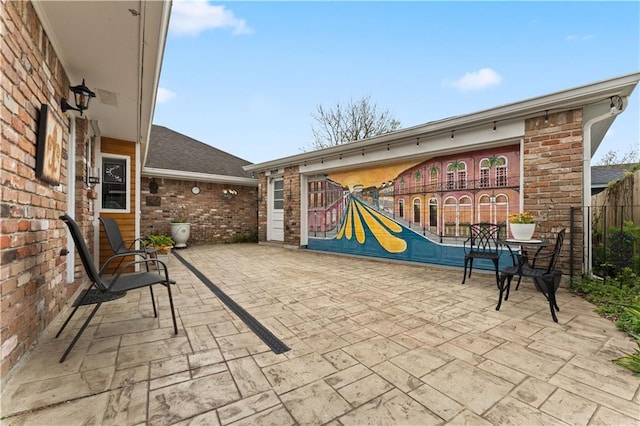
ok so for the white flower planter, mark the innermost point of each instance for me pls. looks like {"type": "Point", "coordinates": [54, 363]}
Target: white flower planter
{"type": "Point", "coordinates": [164, 258]}
{"type": "Point", "coordinates": [180, 233]}
{"type": "Point", "coordinates": [522, 231]}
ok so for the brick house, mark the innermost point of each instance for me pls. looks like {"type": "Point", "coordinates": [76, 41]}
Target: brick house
{"type": "Point", "coordinates": [430, 180]}
{"type": "Point", "coordinates": [183, 176]}
{"type": "Point", "coordinates": [46, 48]}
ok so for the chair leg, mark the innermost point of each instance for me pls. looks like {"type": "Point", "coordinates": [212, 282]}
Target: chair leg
{"type": "Point", "coordinates": [551, 291]}
{"type": "Point", "coordinates": [173, 313]}
{"type": "Point", "coordinates": [509, 278]}
{"type": "Point", "coordinates": [75, 339]}
{"type": "Point", "coordinates": [464, 275]}
{"type": "Point", "coordinates": [495, 262]}
{"type": "Point", "coordinates": [519, 279]}
{"type": "Point", "coordinates": [501, 287]}
{"type": "Point", "coordinates": [470, 266]}
{"type": "Point", "coordinates": [153, 302]}
{"type": "Point", "coordinates": [79, 303]}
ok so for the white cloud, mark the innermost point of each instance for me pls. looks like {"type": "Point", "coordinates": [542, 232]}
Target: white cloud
{"type": "Point", "coordinates": [480, 79]}
{"type": "Point", "coordinates": [194, 16]}
{"type": "Point", "coordinates": [164, 95]}
{"type": "Point", "coordinates": [573, 37]}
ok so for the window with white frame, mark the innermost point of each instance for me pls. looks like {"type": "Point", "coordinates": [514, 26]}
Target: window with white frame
{"type": "Point", "coordinates": [116, 179]}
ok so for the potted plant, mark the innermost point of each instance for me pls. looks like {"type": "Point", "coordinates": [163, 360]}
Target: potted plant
{"type": "Point", "coordinates": [522, 225]}
{"type": "Point", "coordinates": [162, 245]}
{"type": "Point", "coordinates": [180, 229]}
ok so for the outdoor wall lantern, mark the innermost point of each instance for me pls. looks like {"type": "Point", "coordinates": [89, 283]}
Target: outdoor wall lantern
{"type": "Point", "coordinates": [82, 96]}
{"type": "Point", "coordinates": [153, 186]}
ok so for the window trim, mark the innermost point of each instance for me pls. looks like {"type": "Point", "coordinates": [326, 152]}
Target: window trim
{"type": "Point", "coordinates": [127, 159]}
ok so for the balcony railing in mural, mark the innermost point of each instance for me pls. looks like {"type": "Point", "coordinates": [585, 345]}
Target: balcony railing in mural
{"type": "Point", "coordinates": [465, 185]}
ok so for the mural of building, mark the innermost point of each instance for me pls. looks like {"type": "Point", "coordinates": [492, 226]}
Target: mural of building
{"type": "Point", "coordinates": [412, 193]}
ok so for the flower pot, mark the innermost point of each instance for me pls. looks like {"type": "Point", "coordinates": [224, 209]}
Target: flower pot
{"type": "Point", "coordinates": [522, 231]}
{"type": "Point", "coordinates": [180, 233]}
{"type": "Point", "coordinates": [163, 257]}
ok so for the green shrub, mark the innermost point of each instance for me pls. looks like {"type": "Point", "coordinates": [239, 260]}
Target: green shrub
{"type": "Point", "coordinates": [632, 361]}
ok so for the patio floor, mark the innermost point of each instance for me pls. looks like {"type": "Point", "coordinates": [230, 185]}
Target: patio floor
{"type": "Point", "coordinates": [371, 343]}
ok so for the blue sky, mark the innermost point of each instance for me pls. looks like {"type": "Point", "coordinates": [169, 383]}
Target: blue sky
{"type": "Point", "coordinates": [246, 77]}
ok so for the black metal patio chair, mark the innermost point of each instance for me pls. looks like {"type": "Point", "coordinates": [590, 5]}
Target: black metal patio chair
{"type": "Point", "coordinates": [123, 247]}
{"type": "Point", "coordinates": [546, 277]}
{"type": "Point", "coordinates": [482, 244]}
{"type": "Point", "coordinates": [104, 288]}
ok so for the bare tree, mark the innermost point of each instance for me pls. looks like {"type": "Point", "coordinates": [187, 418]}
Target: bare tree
{"type": "Point", "coordinates": [353, 122]}
{"type": "Point", "coordinates": [615, 157]}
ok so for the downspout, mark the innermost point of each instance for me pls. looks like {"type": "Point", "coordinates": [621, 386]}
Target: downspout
{"type": "Point", "coordinates": [586, 184]}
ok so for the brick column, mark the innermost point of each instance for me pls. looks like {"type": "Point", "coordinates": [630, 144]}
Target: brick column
{"type": "Point", "coordinates": [292, 206]}
{"type": "Point", "coordinates": [553, 179]}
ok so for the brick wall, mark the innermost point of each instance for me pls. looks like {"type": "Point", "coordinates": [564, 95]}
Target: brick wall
{"type": "Point", "coordinates": [553, 177]}
{"type": "Point", "coordinates": [292, 206]}
{"type": "Point", "coordinates": [262, 207]}
{"type": "Point", "coordinates": [213, 218]}
{"type": "Point", "coordinates": [32, 279]}
{"type": "Point", "coordinates": [84, 202]}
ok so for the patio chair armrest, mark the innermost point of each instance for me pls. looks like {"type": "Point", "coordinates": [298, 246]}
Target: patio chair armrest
{"type": "Point", "coordinates": [155, 262]}
{"type": "Point", "coordinates": [464, 244]}
{"type": "Point", "coordinates": [132, 242]}
{"type": "Point", "coordinates": [117, 256]}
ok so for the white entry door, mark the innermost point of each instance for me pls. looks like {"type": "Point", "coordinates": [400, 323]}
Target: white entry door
{"type": "Point", "coordinates": [275, 228]}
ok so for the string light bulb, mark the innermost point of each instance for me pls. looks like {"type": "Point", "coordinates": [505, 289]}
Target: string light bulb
{"type": "Point", "coordinates": [452, 134]}
{"type": "Point", "coordinates": [494, 126]}
{"type": "Point", "coordinates": [546, 116]}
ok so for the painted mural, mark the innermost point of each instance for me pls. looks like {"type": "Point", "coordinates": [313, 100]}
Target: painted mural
{"type": "Point", "coordinates": [417, 211]}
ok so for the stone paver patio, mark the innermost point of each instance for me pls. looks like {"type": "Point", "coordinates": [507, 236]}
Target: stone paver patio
{"type": "Point", "coordinates": [371, 343]}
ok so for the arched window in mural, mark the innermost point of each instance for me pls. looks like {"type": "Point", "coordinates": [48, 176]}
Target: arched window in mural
{"type": "Point", "coordinates": [417, 211]}
{"type": "Point", "coordinates": [433, 178]}
{"type": "Point", "coordinates": [484, 174]}
{"type": "Point", "coordinates": [401, 208]}
{"type": "Point", "coordinates": [449, 214]}
{"type": "Point", "coordinates": [485, 209]}
{"type": "Point", "coordinates": [501, 210]}
{"type": "Point", "coordinates": [465, 212]}
{"type": "Point", "coordinates": [417, 176]}
{"type": "Point", "coordinates": [493, 172]}
{"type": "Point", "coordinates": [493, 208]}
{"type": "Point", "coordinates": [457, 175]}
{"type": "Point", "coordinates": [501, 172]}
{"type": "Point", "coordinates": [433, 215]}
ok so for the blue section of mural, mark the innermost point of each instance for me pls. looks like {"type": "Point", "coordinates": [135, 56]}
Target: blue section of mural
{"type": "Point", "coordinates": [418, 247]}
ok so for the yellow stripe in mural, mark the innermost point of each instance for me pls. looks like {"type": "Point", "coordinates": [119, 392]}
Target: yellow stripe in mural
{"type": "Point", "coordinates": [393, 226]}
{"type": "Point", "coordinates": [389, 242]}
{"type": "Point", "coordinates": [359, 228]}
{"type": "Point", "coordinates": [349, 229]}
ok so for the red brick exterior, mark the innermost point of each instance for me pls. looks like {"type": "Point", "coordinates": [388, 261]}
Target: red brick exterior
{"type": "Point", "coordinates": [552, 177]}
{"type": "Point", "coordinates": [292, 206]}
{"type": "Point", "coordinates": [213, 218]}
{"type": "Point", "coordinates": [262, 207]}
{"type": "Point", "coordinates": [33, 278]}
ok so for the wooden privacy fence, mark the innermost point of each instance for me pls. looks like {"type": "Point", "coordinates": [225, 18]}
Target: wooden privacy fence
{"type": "Point", "coordinates": [615, 226]}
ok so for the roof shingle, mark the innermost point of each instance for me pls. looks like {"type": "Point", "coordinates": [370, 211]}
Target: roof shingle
{"type": "Point", "coordinates": [171, 150]}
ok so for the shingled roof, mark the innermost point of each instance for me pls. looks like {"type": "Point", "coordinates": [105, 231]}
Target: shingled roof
{"type": "Point", "coordinates": [174, 151]}
{"type": "Point", "coordinates": [602, 175]}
